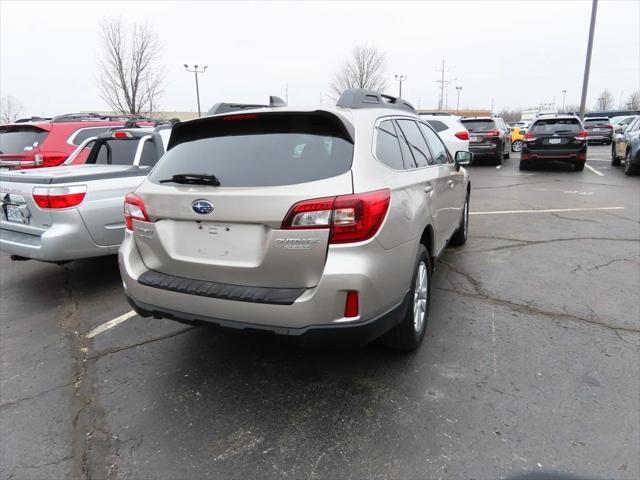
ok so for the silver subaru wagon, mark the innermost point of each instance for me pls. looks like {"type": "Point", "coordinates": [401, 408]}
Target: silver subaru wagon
{"type": "Point", "coordinates": [323, 224]}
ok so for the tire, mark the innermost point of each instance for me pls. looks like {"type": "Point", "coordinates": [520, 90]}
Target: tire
{"type": "Point", "coordinates": [578, 167]}
{"type": "Point", "coordinates": [516, 146]}
{"type": "Point", "coordinates": [499, 156]}
{"type": "Point", "coordinates": [615, 161]}
{"type": "Point", "coordinates": [459, 237]}
{"type": "Point", "coordinates": [630, 169]}
{"type": "Point", "coordinates": [408, 334]}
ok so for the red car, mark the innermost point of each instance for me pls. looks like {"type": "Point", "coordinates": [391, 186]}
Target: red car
{"type": "Point", "coordinates": [39, 142]}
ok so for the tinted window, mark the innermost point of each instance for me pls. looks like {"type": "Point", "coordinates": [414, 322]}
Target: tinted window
{"type": "Point", "coordinates": [259, 150]}
{"type": "Point", "coordinates": [597, 121]}
{"type": "Point", "coordinates": [437, 125]}
{"type": "Point", "coordinates": [478, 125]}
{"type": "Point", "coordinates": [149, 155]}
{"type": "Point", "coordinates": [20, 139]}
{"type": "Point", "coordinates": [440, 154]}
{"type": "Point", "coordinates": [85, 133]}
{"type": "Point", "coordinates": [387, 145]}
{"type": "Point", "coordinates": [416, 141]}
{"type": "Point", "coordinates": [557, 125]}
{"type": "Point", "coordinates": [115, 152]}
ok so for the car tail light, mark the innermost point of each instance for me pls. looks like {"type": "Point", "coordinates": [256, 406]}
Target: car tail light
{"type": "Point", "coordinates": [582, 135]}
{"type": "Point", "coordinates": [351, 218]}
{"type": "Point", "coordinates": [462, 135]}
{"type": "Point", "coordinates": [492, 133]}
{"type": "Point", "coordinates": [529, 137]}
{"type": "Point", "coordinates": [134, 208]}
{"type": "Point", "coordinates": [52, 198]}
{"type": "Point", "coordinates": [524, 156]}
{"type": "Point", "coordinates": [49, 159]}
{"type": "Point", "coordinates": [351, 306]}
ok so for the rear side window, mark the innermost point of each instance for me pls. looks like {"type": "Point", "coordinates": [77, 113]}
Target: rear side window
{"type": "Point", "coordinates": [257, 150]}
{"type": "Point", "coordinates": [416, 141]}
{"type": "Point", "coordinates": [20, 139]}
{"type": "Point", "coordinates": [437, 125]}
{"type": "Point", "coordinates": [84, 133]}
{"type": "Point", "coordinates": [557, 125]}
{"type": "Point", "coordinates": [114, 152]}
{"type": "Point", "coordinates": [479, 125]}
{"type": "Point", "coordinates": [387, 145]}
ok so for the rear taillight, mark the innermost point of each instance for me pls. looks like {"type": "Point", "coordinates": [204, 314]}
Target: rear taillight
{"type": "Point", "coordinates": [134, 208]}
{"type": "Point", "coordinates": [529, 137]}
{"type": "Point", "coordinates": [351, 306]}
{"type": "Point", "coordinates": [52, 198]}
{"type": "Point", "coordinates": [492, 133]}
{"type": "Point", "coordinates": [463, 135]}
{"type": "Point", "coordinates": [582, 135]}
{"type": "Point", "coordinates": [49, 159]}
{"type": "Point", "coordinates": [351, 218]}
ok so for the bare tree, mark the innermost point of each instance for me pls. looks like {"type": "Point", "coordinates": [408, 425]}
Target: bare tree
{"type": "Point", "coordinates": [10, 109]}
{"type": "Point", "coordinates": [365, 69]}
{"type": "Point", "coordinates": [605, 100]}
{"type": "Point", "coordinates": [510, 116]}
{"type": "Point", "coordinates": [130, 78]}
{"type": "Point", "coordinates": [633, 101]}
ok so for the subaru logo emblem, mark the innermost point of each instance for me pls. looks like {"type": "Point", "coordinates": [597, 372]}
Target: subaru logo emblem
{"type": "Point", "coordinates": [203, 207]}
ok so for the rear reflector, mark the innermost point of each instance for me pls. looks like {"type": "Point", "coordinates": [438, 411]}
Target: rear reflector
{"type": "Point", "coordinates": [463, 135]}
{"type": "Point", "coordinates": [59, 197]}
{"type": "Point", "coordinates": [134, 208]}
{"type": "Point", "coordinates": [350, 218]}
{"type": "Point", "coordinates": [351, 307]}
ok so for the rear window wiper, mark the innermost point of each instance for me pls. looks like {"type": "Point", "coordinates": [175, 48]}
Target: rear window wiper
{"type": "Point", "coordinates": [193, 179]}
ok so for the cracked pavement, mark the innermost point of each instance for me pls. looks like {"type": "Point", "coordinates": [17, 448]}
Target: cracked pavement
{"type": "Point", "coordinates": [531, 362]}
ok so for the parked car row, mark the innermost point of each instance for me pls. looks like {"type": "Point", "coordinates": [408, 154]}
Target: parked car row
{"type": "Point", "coordinates": [362, 198]}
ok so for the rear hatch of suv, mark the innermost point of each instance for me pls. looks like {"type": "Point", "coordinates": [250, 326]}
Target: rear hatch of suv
{"type": "Point", "coordinates": [227, 226]}
{"type": "Point", "coordinates": [20, 143]}
{"type": "Point", "coordinates": [562, 135]}
{"type": "Point", "coordinates": [481, 131]}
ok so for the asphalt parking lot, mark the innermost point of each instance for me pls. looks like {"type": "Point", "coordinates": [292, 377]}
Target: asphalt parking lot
{"type": "Point", "coordinates": [531, 362]}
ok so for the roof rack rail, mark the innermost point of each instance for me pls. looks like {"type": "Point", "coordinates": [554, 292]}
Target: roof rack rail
{"type": "Point", "coordinates": [30, 119]}
{"type": "Point", "coordinates": [74, 117]}
{"type": "Point", "coordinates": [363, 98]}
{"type": "Point", "coordinates": [224, 107]}
{"type": "Point", "coordinates": [435, 113]}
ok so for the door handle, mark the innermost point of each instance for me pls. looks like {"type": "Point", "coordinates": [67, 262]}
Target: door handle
{"type": "Point", "coordinates": [428, 189]}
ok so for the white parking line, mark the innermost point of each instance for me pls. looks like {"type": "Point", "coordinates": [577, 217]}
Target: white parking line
{"type": "Point", "coordinates": [551, 210]}
{"type": "Point", "coordinates": [110, 324]}
{"type": "Point", "coordinates": [594, 170]}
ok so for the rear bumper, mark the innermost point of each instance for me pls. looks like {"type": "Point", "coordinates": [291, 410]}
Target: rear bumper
{"type": "Point", "coordinates": [599, 137]}
{"type": "Point", "coordinates": [381, 277]}
{"type": "Point", "coordinates": [58, 243]}
{"type": "Point", "coordinates": [480, 150]}
{"type": "Point", "coordinates": [573, 156]}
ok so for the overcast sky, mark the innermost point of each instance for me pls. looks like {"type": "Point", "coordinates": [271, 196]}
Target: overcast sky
{"type": "Point", "coordinates": [518, 53]}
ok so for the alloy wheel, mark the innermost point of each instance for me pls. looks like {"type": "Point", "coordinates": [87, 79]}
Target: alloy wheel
{"type": "Point", "coordinates": [420, 297]}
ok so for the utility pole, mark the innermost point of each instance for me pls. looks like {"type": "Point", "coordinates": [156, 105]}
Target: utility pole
{"type": "Point", "coordinates": [492, 106]}
{"type": "Point", "coordinates": [459, 89]}
{"type": "Point", "coordinates": [587, 63]}
{"type": "Point", "coordinates": [442, 85]}
{"type": "Point", "coordinates": [564, 96]}
{"type": "Point", "coordinates": [196, 72]}
{"type": "Point", "coordinates": [286, 94]}
{"type": "Point", "coordinates": [400, 79]}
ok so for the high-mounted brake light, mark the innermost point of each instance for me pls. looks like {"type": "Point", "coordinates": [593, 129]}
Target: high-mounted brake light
{"type": "Point", "coordinates": [240, 116]}
{"type": "Point", "coordinates": [121, 134]}
{"type": "Point", "coordinates": [582, 135]}
{"type": "Point", "coordinates": [462, 135]}
{"type": "Point", "coordinates": [52, 198]}
{"type": "Point", "coordinates": [351, 218]}
{"type": "Point", "coordinates": [493, 133]}
{"type": "Point", "coordinates": [134, 208]}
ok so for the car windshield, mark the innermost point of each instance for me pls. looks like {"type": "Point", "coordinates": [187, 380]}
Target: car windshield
{"type": "Point", "coordinates": [479, 125]}
{"type": "Point", "coordinates": [20, 139]}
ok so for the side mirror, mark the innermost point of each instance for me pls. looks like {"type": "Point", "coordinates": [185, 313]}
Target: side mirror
{"type": "Point", "coordinates": [619, 129]}
{"type": "Point", "coordinates": [463, 157]}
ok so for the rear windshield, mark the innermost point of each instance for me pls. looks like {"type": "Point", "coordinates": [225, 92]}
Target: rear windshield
{"type": "Point", "coordinates": [478, 125]}
{"type": "Point", "coordinates": [557, 126]}
{"type": "Point", "coordinates": [20, 139]}
{"type": "Point", "coordinates": [597, 121]}
{"type": "Point", "coordinates": [250, 150]}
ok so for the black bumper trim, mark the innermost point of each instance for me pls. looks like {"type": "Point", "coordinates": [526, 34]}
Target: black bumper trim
{"type": "Point", "coordinates": [349, 334]}
{"type": "Point", "coordinates": [224, 291]}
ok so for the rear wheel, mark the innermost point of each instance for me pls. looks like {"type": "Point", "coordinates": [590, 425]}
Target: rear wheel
{"type": "Point", "coordinates": [409, 333]}
{"type": "Point", "coordinates": [459, 237]}
{"type": "Point", "coordinates": [499, 155]}
{"type": "Point", "coordinates": [615, 161]}
{"type": "Point", "coordinates": [579, 166]}
{"type": "Point", "coordinates": [516, 146]}
{"type": "Point", "coordinates": [630, 169]}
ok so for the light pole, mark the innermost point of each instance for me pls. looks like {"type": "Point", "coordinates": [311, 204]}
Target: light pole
{"type": "Point", "coordinates": [196, 71]}
{"type": "Point", "coordinates": [564, 95]}
{"type": "Point", "coordinates": [587, 63]}
{"type": "Point", "coordinates": [459, 89]}
{"type": "Point", "coordinates": [400, 79]}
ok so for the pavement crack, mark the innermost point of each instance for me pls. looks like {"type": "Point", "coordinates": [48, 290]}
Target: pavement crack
{"type": "Point", "coordinates": [111, 351]}
{"type": "Point", "coordinates": [557, 215]}
{"type": "Point", "coordinates": [12, 403]}
{"type": "Point", "coordinates": [520, 243]}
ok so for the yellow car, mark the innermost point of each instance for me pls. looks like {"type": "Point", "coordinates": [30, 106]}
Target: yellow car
{"type": "Point", "coordinates": [517, 137]}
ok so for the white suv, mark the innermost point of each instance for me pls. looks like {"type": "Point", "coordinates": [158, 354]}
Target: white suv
{"type": "Point", "coordinates": [453, 133]}
{"type": "Point", "coordinates": [312, 223]}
